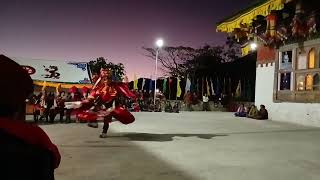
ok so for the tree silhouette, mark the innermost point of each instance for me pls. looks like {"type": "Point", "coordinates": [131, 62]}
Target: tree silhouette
{"type": "Point", "coordinates": [101, 62]}
{"type": "Point", "coordinates": [182, 61]}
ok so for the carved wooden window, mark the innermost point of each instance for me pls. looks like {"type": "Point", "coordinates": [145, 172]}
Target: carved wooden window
{"type": "Point", "coordinates": [285, 81]}
{"type": "Point", "coordinates": [309, 82]}
{"type": "Point", "coordinates": [298, 73]}
{"type": "Point", "coordinates": [316, 82]}
{"type": "Point", "coordinates": [286, 60]}
{"type": "Point", "coordinates": [312, 59]}
{"type": "Point", "coordinates": [300, 82]}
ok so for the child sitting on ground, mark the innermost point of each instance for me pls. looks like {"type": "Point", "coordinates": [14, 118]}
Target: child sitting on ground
{"type": "Point", "coordinates": [241, 112]}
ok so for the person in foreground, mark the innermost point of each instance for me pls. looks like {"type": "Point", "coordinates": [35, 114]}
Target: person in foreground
{"type": "Point", "coordinates": [26, 151]}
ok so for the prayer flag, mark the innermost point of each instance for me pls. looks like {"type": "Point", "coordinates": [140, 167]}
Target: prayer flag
{"type": "Point", "coordinates": [238, 91]}
{"type": "Point", "coordinates": [178, 88]}
{"type": "Point", "coordinates": [135, 83]}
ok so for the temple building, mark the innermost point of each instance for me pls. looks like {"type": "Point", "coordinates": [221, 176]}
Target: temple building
{"type": "Point", "coordinates": [286, 37]}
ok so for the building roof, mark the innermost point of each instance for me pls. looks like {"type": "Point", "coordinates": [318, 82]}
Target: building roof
{"type": "Point", "coordinates": [246, 16]}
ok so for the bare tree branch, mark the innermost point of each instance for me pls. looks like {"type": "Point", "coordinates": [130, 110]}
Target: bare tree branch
{"type": "Point", "coordinates": [180, 61]}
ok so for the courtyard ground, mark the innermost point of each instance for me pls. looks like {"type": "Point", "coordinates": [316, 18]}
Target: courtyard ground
{"type": "Point", "coordinates": [188, 146]}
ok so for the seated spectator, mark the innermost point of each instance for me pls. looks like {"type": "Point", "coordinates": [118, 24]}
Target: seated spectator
{"type": "Point", "coordinates": [168, 107]}
{"type": "Point", "coordinates": [188, 100]}
{"type": "Point", "coordinates": [136, 107]}
{"type": "Point", "coordinates": [262, 113]}
{"type": "Point", "coordinates": [175, 108]}
{"type": "Point", "coordinates": [241, 112]}
{"type": "Point", "coordinates": [151, 107]}
{"type": "Point", "coordinates": [253, 112]}
{"type": "Point", "coordinates": [26, 151]}
{"type": "Point", "coordinates": [158, 107]}
{"type": "Point", "coordinates": [194, 98]}
{"type": "Point", "coordinates": [140, 102]}
{"type": "Point", "coordinates": [225, 99]}
{"type": "Point", "coordinates": [36, 108]}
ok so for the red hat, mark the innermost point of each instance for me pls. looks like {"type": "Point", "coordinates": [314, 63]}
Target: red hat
{"type": "Point", "coordinates": [16, 84]}
{"type": "Point", "coordinates": [85, 89]}
{"type": "Point", "coordinates": [73, 89]}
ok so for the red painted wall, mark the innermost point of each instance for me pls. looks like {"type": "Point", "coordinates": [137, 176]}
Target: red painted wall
{"type": "Point", "coordinates": [265, 55]}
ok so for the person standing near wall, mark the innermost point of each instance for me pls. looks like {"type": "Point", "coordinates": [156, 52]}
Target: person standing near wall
{"type": "Point", "coordinates": [205, 101]}
{"type": "Point", "coordinates": [60, 105]}
{"type": "Point", "coordinates": [68, 109]}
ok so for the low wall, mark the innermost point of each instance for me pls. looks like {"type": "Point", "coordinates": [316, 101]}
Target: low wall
{"type": "Point", "coordinates": [197, 107]}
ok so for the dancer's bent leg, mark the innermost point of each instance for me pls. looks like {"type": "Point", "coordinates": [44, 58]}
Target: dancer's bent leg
{"type": "Point", "coordinates": [105, 128]}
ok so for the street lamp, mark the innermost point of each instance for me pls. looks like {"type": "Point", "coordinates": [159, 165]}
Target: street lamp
{"type": "Point", "coordinates": [159, 44]}
{"type": "Point", "coordinates": [253, 46]}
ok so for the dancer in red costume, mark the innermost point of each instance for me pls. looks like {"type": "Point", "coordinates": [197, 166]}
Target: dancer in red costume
{"type": "Point", "coordinates": [99, 104]}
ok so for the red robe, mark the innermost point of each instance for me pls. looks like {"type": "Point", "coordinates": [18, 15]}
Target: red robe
{"type": "Point", "coordinates": [31, 134]}
{"type": "Point", "coordinates": [107, 94]}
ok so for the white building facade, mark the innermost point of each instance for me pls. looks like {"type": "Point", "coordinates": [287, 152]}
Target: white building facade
{"type": "Point", "coordinates": [288, 56]}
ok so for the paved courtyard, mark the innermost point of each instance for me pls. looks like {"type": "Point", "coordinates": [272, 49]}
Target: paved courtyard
{"type": "Point", "coordinates": [188, 146]}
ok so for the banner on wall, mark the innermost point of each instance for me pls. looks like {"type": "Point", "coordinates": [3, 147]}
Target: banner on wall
{"type": "Point", "coordinates": [55, 71]}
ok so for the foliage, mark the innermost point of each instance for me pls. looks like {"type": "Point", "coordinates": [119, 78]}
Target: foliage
{"type": "Point", "coordinates": [173, 59]}
{"type": "Point", "coordinates": [117, 69]}
{"type": "Point", "coordinates": [182, 61]}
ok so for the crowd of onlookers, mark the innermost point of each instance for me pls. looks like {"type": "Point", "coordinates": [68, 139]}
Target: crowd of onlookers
{"type": "Point", "coordinates": [47, 105]}
{"type": "Point", "coordinates": [191, 99]}
{"type": "Point", "coordinates": [252, 112]}
{"type": "Point", "coordinates": [145, 102]}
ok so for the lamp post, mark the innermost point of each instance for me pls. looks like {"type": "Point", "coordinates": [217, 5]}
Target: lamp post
{"type": "Point", "coordinates": [253, 46]}
{"type": "Point", "coordinates": [159, 44]}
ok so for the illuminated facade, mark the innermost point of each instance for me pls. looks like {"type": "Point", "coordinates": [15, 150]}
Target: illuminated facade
{"type": "Point", "coordinates": [288, 56]}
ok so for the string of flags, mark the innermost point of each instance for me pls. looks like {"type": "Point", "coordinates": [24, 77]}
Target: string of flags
{"type": "Point", "coordinates": [206, 85]}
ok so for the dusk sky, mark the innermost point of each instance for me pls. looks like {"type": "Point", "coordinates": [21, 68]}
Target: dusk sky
{"type": "Point", "coordinates": [81, 30]}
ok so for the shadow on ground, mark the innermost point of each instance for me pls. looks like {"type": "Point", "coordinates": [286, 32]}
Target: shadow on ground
{"type": "Point", "coordinates": [164, 137]}
{"type": "Point", "coordinates": [114, 159]}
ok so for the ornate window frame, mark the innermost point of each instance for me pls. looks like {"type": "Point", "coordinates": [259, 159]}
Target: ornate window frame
{"type": "Point", "coordinates": [304, 85]}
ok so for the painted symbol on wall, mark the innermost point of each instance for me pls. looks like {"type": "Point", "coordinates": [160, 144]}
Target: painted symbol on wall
{"type": "Point", "coordinates": [51, 72]}
{"type": "Point", "coordinates": [29, 69]}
